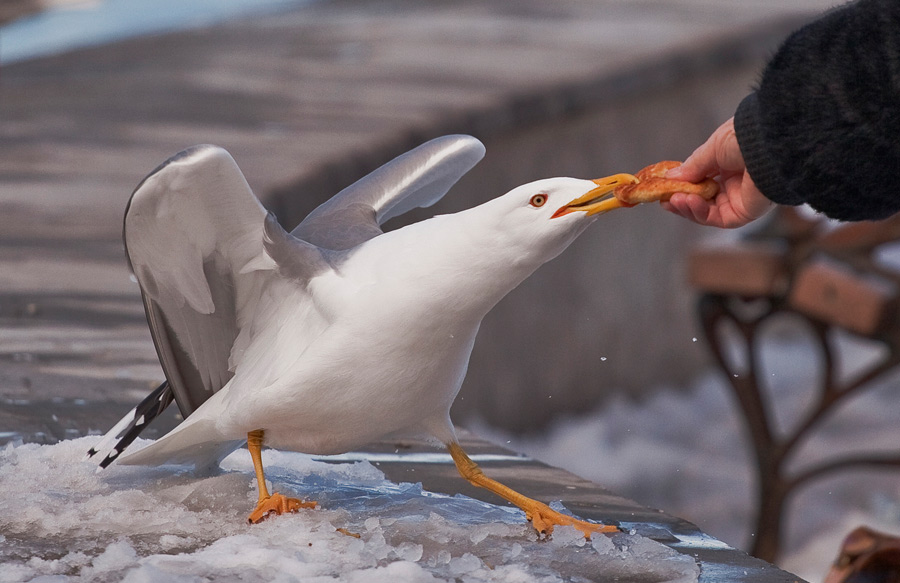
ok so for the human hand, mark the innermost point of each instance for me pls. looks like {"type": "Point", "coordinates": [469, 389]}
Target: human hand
{"type": "Point", "coordinates": [739, 202]}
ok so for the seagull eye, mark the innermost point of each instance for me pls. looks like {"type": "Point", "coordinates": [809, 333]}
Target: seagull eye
{"type": "Point", "coordinates": [538, 200]}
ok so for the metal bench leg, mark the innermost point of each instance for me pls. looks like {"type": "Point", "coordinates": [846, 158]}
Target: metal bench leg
{"type": "Point", "coordinates": [771, 452]}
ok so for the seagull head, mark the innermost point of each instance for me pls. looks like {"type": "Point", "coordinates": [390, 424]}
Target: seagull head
{"type": "Point", "coordinates": [548, 215]}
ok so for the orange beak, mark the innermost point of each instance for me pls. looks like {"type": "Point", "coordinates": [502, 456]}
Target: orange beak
{"type": "Point", "coordinates": [601, 199]}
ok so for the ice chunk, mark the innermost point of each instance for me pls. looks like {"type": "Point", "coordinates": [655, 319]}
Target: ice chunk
{"type": "Point", "coordinates": [463, 565]}
{"type": "Point", "coordinates": [564, 536]}
{"type": "Point", "coordinates": [154, 525]}
{"type": "Point", "coordinates": [392, 573]}
{"type": "Point", "coordinates": [603, 545]}
{"type": "Point", "coordinates": [116, 557]}
{"type": "Point", "coordinates": [408, 551]}
{"type": "Point", "coordinates": [482, 532]}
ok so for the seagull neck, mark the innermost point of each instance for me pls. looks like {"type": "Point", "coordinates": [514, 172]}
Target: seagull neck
{"type": "Point", "coordinates": [477, 262]}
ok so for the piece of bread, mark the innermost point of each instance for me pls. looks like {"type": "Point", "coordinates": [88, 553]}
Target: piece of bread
{"type": "Point", "coordinates": [654, 186]}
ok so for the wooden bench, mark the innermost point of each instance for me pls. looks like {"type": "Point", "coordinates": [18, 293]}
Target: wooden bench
{"type": "Point", "coordinates": [829, 277]}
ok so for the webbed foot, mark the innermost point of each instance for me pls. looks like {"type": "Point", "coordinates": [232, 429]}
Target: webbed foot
{"type": "Point", "coordinates": [276, 504]}
{"type": "Point", "coordinates": [543, 519]}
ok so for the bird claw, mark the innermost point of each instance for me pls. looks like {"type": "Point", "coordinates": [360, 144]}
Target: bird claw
{"type": "Point", "coordinates": [543, 519]}
{"type": "Point", "coordinates": [276, 504]}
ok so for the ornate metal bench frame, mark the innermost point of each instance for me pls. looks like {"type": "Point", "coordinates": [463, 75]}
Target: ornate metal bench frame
{"type": "Point", "coordinates": [831, 279]}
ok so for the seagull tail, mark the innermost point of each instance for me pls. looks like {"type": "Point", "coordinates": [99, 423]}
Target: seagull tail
{"type": "Point", "coordinates": [130, 426]}
{"type": "Point", "coordinates": [196, 442]}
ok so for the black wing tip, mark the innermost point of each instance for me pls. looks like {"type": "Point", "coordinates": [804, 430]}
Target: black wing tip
{"type": "Point", "coordinates": [141, 416]}
{"type": "Point", "coordinates": [110, 458]}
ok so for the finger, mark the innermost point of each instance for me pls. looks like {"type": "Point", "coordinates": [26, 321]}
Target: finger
{"type": "Point", "coordinates": [738, 206]}
{"type": "Point", "coordinates": [701, 211]}
{"type": "Point", "coordinates": [716, 213]}
{"type": "Point", "coordinates": [699, 165]}
{"type": "Point", "coordinates": [720, 153]}
{"type": "Point", "coordinates": [679, 204]}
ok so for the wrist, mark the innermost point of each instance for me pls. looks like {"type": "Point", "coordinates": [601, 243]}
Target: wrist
{"type": "Point", "coordinates": [760, 164]}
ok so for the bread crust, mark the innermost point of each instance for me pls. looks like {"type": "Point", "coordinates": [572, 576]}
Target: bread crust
{"type": "Point", "coordinates": [654, 186]}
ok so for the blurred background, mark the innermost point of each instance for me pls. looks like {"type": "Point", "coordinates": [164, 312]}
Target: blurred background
{"type": "Point", "coordinates": [596, 364]}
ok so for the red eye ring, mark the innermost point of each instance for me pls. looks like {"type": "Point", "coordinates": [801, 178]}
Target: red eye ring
{"type": "Point", "coordinates": [538, 200]}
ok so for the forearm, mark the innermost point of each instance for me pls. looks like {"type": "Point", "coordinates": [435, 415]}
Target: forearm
{"type": "Point", "coordinates": [822, 127]}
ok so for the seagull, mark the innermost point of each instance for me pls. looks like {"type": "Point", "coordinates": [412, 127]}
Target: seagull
{"type": "Point", "coordinates": [337, 333]}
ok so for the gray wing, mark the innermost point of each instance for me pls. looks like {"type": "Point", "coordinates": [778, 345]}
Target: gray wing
{"type": "Point", "coordinates": [194, 236]}
{"type": "Point", "coordinates": [418, 178]}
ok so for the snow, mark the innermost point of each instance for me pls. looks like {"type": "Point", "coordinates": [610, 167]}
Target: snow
{"type": "Point", "coordinates": [63, 521]}
{"type": "Point", "coordinates": [685, 452]}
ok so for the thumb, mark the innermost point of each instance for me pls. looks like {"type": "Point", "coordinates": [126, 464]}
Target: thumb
{"type": "Point", "coordinates": [719, 152]}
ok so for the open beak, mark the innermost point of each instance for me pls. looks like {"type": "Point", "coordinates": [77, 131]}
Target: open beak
{"type": "Point", "coordinates": [600, 199]}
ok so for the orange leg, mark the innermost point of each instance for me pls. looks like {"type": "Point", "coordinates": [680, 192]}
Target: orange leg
{"type": "Point", "coordinates": [542, 517]}
{"type": "Point", "coordinates": [268, 504]}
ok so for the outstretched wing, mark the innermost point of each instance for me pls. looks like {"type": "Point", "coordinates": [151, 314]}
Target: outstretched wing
{"type": "Point", "coordinates": [194, 238]}
{"type": "Point", "coordinates": [418, 178]}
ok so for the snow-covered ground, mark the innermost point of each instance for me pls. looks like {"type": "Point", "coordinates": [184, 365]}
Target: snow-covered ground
{"type": "Point", "coordinates": [684, 451]}
{"type": "Point", "coordinates": [62, 521]}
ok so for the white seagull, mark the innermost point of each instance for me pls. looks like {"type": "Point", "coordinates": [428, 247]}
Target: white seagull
{"type": "Point", "coordinates": [337, 333]}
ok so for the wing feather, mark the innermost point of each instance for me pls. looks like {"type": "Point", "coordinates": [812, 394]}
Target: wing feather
{"type": "Point", "coordinates": [418, 178]}
{"type": "Point", "coordinates": [192, 228]}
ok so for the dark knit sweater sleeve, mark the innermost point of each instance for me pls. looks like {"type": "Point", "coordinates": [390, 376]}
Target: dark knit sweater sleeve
{"type": "Point", "coordinates": [823, 127]}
